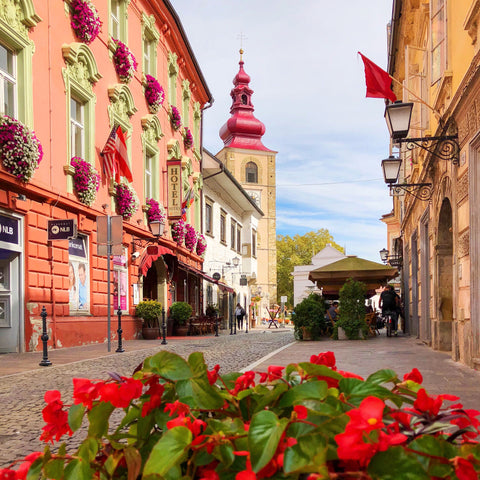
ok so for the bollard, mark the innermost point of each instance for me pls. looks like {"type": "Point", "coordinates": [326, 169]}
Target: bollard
{"type": "Point", "coordinates": [164, 328]}
{"type": "Point", "coordinates": [231, 325]}
{"type": "Point", "coordinates": [216, 325]}
{"type": "Point", "coordinates": [246, 324]}
{"type": "Point", "coordinates": [119, 331]}
{"type": "Point", "coordinates": [234, 325]}
{"type": "Point", "coordinates": [45, 361]}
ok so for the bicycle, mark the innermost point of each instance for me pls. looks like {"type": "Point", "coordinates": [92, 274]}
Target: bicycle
{"type": "Point", "coordinates": [388, 321]}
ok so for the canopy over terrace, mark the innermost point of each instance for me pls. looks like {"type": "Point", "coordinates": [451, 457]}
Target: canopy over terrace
{"type": "Point", "coordinates": [330, 278]}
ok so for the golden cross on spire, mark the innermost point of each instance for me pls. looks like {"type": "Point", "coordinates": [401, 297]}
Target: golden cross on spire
{"type": "Point", "coordinates": [241, 37]}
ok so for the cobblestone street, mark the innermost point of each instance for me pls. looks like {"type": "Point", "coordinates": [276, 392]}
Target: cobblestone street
{"type": "Point", "coordinates": [21, 395]}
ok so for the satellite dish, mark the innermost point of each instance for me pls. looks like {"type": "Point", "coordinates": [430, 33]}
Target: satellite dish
{"type": "Point", "coordinates": [216, 276]}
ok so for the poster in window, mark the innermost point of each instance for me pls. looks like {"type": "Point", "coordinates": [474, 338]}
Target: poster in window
{"type": "Point", "coordinates": [119, 282]}
{"type": "Point", "coordinates": [78, 276]}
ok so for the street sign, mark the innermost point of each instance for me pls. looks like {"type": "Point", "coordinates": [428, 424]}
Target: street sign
{"type": "Point", "coordinates": [243, 280]}
{"type": "Point", "coordinates": [216, 276]}
{"type": "Point", "coordinates": [62, 229]}
{"type": "Point", "coordinates": [283, 299]}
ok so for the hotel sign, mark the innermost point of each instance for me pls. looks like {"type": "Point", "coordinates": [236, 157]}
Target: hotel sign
{"type": "Point", "coordinates": [174, 173]}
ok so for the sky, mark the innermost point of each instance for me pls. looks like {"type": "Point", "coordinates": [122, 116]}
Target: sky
{"type": "Point", "coordinates": [309, 91]}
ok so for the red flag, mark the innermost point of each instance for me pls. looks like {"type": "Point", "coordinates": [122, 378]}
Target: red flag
{"type": "Point", "coordinates": [122, 157]}
{"type": "Point", "coordinates": [379, 82]}
{"type": "Point", "coordinates": [108, 154]}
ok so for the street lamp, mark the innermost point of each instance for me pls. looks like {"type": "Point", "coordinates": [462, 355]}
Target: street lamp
{"type": "Point", "coordinates": [391, 169]}
{"type": "Point", "coordinates": [398, 116]}
{"type": "Point", "coordinates": [157, 228]}
{"type": "Point", "coordinates": [384, 255]}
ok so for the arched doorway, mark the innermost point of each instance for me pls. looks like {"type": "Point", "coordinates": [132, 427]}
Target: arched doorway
{"type": "Point", "coordinates": [444, 287]}
{"type": "Point", "coordinates": [155, 282]}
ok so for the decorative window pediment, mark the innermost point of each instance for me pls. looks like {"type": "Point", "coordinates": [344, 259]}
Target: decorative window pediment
{"type": "Point", "coordinates": [152, 130]}
{"type": "Point", "coordinates": [187, 168]}
{"type": "Point", "coordinates": [81, 65]}
{"type": "Point", "coordinates": [174, 150]}
{"type": "Point", "coordinates": [121, 105]}
{"type": "Point", "coordinates": [19, 15]}
{"type": "Point", "coordinates": [197, 181]}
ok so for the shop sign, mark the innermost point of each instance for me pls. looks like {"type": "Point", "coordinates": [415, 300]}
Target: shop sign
{"type": "Point", "coordinates": [8, 230]}
{"type": "Point", "coordinates": [174, 189]}
{"type": "Point", "coordinates": [76, 247]}
{"type": "Point", "coordinates": [243, 280]}
{"type": "Point", "coordinates": [62, 229]}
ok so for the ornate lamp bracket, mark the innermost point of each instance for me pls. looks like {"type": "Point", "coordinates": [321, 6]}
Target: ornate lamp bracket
{"type": "Point", "coordinates": [444, 148]}
{"type": "Point", "coordinates": [421, 191]}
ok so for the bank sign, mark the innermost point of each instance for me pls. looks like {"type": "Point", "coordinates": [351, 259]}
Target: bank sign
{"type": "Point", "coordinates": [174, 189]}
{"type": "Point", "coordinates": [62, 229]}
{"type": "Point", "coordinates": [8, 230]}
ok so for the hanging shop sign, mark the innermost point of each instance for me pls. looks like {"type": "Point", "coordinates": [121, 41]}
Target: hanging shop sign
{"type": "Point", "coordinates": [62, 229]}
{"type": "Point", "coordinates": [174, 189]}
{"type": "Point", "coordinates": [9, 229]}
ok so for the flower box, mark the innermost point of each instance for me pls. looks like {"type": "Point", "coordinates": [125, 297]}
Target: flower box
{"type": "Point", "coordinates": [86, 180]}
{"type": "Point", "coordinates": [154, 94]}
{"type": "Point", "coordinates": [85, 20]}
{"type": "Point", "coordinates": [124, 61]}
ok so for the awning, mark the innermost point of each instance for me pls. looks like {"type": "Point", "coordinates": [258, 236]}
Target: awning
{"type": "Point", "coordinates": [148, 259]}
{"type": "Point", "coordinates": [208, 278]}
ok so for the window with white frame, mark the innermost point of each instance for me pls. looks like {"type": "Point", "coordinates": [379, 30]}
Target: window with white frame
{"type": "Point", "coordinates": [208, 218]}
{"type": "Point", "coordinates": [233, 232]}
{"type": "Point", "coordinates": [239, 238]}
{"type": "Point", "coordinates": [118, 20]}
{"type": "Point", "coordinates": [438, 22]}
{"type": "Point", "coordinates": [254, 243]}
{"type": "Point", "coordinates": [77, 128]}
{"type": "Point", "coordinates": [8, 82]}
{"type": "Point", "coordinates": [223, 227]}
{"type": "Point", "coordinates": [149, 160]}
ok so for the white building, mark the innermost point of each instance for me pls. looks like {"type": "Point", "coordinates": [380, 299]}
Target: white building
{"type": "Point", "coordinates": [302, 286]}
{"type": "Point", "coordinates": [230, 221]}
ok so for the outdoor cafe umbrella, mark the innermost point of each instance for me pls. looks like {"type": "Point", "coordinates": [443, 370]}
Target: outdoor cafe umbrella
{"type": "Point", "coordinates": [331, 278]}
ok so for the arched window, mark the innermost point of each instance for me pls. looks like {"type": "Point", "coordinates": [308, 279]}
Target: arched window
{"type": "Point", "coordinates": [251, 172]}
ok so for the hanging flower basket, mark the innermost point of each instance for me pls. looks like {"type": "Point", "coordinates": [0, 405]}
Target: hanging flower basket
{"type": "Point", "coordinates": [126, 200]}
{"type": "Point", "coordinates": [187, 138]}
{"type": "Point", "coordinates": [86, 180]}
{"type": "Point", "coordinates": [124, 61]}
{"type": "Point", "coordinates": [201, 245]}
{"type": "Point", "coordinates": [20, 149]}
{"type": "Point", "coordinates": [154, 94]}
{"type": "Point", "coordinates": [85, 20]}
{"type": "Point", "coordinates": [190, 237]}
{"type": "Point", "coordinates": [175, 118]}
{"type": "Point", "coordinates": [155, 211]}
{"type": "Point", "coordinates": [178, 232]}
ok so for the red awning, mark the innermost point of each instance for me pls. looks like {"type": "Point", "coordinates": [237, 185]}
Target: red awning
{"type": "Point", "coordinates": [148, 259]}
{"type": "Point", "coordinates": [198, 272]}
{"type": "Point", "coordinates": [225, 288]}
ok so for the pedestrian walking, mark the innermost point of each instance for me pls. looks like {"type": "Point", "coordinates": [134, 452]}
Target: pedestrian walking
{"type": "Point", "coordinates": [239, 313]}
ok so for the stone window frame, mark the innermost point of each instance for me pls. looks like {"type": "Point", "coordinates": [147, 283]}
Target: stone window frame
{"type": "Point", "coordinates": [209, 219]}
{"type": "Point", "coordinates": [172, 69]}
{"type": "Point", "coordinates": [247, 165]}
{"type": "Point", "coordinates": [223, 227]}
{"type": "Point", "coordinates": [197, 123]}
{"type": "Point", "coordinates": [9, 78]}
{"type": "Point", "coordinates": [151, 134]}
{"type": "Point", "coordinates": [150, 36]}
{"type": "Point", "coordinates": [14, 35]}
{"type": "Point", "coordinates": [122, 22]}
{"type": "Point", "coordinates": [438, 51]}
{"type": "Point", "coordinates": [80, 75]}
{"type": "Point", "coordinates": [186, 96]}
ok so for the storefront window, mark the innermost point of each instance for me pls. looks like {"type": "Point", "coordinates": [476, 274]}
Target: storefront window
{"type": "Point", "coordinates": [78, 275]}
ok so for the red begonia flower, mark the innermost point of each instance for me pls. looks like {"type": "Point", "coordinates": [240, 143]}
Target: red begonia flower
{"type": "Point", "coordinates": [121, 394]}
{"type": "Point", "coordinates": [349, 374]}
{"type": "Point", "coordinates": [156, 392]}
{"type": "Point", "coordinates": [431, 404]}
{"type": "Point", "coordinates": [55, 417]}
{"type": "Point", "coordinates": [368, 416]}
{"type": "Point", "coordinates": [414, 375]}
{"type": "Point", "coordinates": [325, 358]}
{"type": "Point", "coordinates": [301, 411]}
{"type": "Point", "coordinates": [7, 474]}
{"type": "Point", "coordinates": [85, 391]}
{"type": "Point", "coordinates": [213, 374]}
{"type": "Point", "coordinates": [244, 381]}
{"type": "Point", "coordinates": [177, 408]}
{"type": "Point", "coordinates": [274, 372]}
{"type": "Point", "coordinates": [25, 466]}
{"type": "Point", "coordinates": [207, 473]}
{"type": "Point", "coordinates": [464, 470]}
{"type": "Point", "coordinates": [196, 426]}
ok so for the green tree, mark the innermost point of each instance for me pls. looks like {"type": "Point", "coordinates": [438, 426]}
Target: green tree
{"type": "Point", "coordinates": [298, 250]}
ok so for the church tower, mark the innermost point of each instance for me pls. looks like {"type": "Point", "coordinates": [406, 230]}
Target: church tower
{"type": "Point", "coordinates": [253, 165]}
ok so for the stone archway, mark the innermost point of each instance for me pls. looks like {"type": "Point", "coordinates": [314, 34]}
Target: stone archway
{"type": "Point", "coordinates": [444, 287]}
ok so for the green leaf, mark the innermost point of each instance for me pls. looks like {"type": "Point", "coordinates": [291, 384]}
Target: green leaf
{"type": "Point", "coordinates": [88, 449]}
{"type": "Point", "coordinates": [316, 390]}
{"type": "Point", "coordinates": [224, 453]}
{"type": "Point", "coordinates": [78, 470]}
{"type": "Point", "coordinates": [98, 417]}
{"type": "Point", "coordinates": [168, 451]}
{"type": "Point", "coordinates": [75, 416]}
{"type": "Point", "coordinates": [356, 390]}
{"type": "Point", "coordinates": [134, 462]}
{"type": "Point", "coordinates": [263, 437]}
{"type": "Point", "coordinates": [168, 365]}
{"type": "Point", "coordinates": [322, 370]}
{"type": "Point", "coordinates": [197, 363]}
{"type": "Point", "coordinates": [383, 376]}
{"type": "Point", "coordinates": [395, 463]}
{"type": "Point", "coordinates": [307, 455]}
{"type": "Point", "coordinates": [36, 468]}
{"type": "Point", "coordinates": [269, 397]}
{"type": "Point", "coordinates": [206, 397]}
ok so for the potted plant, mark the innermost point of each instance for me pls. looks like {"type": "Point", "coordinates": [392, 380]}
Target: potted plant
{"type": "Point", "coordinates": [85, 20]}
{"type": "Point", "coordinates": [154, 94]}
{"type": "Point", "coordinates": [124, 61]}
{"type": "Point", "coordinates": [126, 200]}
{"type": "Point", "coordinates": [211, 311]}
{"type": "Point", "coordinates": [86, 180]}
{"type": "Point", "coordinates": [309, 321]}
{"type": "Point", "coordinates": [351, 323]}
{"type": "Point", "coordinates": [180, 312]}
{"type": "Point", "coordinates": [150, 311]}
